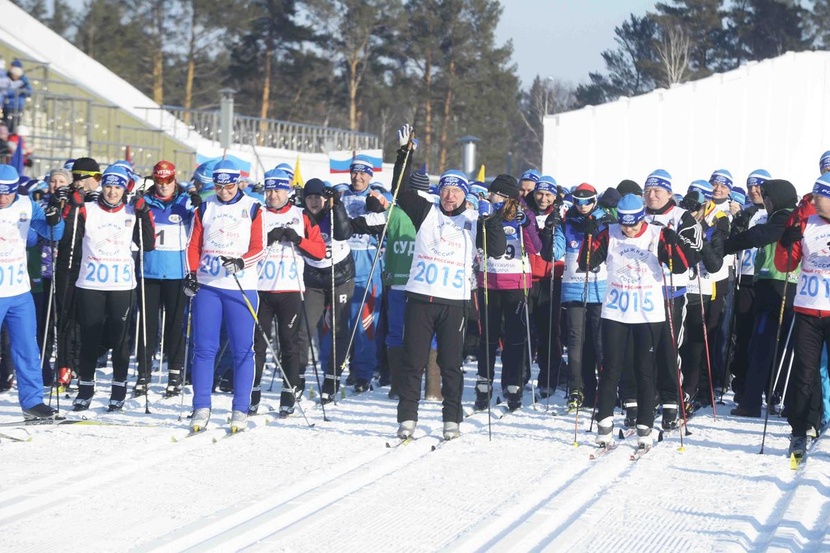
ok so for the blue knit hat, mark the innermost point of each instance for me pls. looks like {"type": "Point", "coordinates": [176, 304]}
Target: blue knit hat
{"type": "Point", "coordinates": [630, 210]}
{"type": "Point", "coordinates": [824, 162]}
{"type": "Point", "coordinates": [362, 164]}
{"type": "Point", "coordinates": [286, 167]}
{"type": "Point", "coordinates": [721, 176]}
{"type": "Point", "coordinates": [277, 179]}
{"type": "Point", "coordinates": [822, 186]}
{"type": "Point", "coordinates": [757, 177]}
{"type": "Point", "coordinates": [478, 188]}
{"type": "Point", "coordinates": [454, 177]}
{"type": "Point", "coordinates": [473, 199]}
{"type": "Point", "coordinates": [116, 175]}
{"type": "Point", "coordinates": [225, 172]}
{"type": "Point", "coordinates": [531, 174]}
{"type": "Point", "coordinates": [546, 183]}
{"type": "Point", "coordinates": [659, 178]}
{"type": "Point", "coordinates": [738, 195]}
{"type": "Point", "coordinates": [9, 180]}
{"type": "Point", "coordinates": [703, 186]}
{"type": "Point", "coordinates": [203, 174]}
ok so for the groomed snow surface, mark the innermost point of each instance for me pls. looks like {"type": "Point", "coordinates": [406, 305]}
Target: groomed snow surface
{"type": "Point", "coordinates": [282, 486]}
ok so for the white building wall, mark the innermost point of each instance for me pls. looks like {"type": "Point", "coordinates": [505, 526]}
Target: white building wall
{"type": "Point", "coordinates": [770, 115]}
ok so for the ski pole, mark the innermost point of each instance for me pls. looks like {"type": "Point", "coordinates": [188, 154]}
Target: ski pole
{"type": "Point", "coordinates": [584, 325]}
{"type": "Point", "coordinates": [670, 308]}
{"type": "Point", "coordinates": [252, 311]}
{"type": "Point", "coordinates": [377, 251]}
{"type": "Point", "coordinates": [53, 252]}
{"type": "Point", "coordinates": [787, 379]}
{"type": "Point", "coordinates": [784, 357]}
{"type": "Point", "coordinates": [777, 338]}
{"type": "Point", "coordinates": [527, 319]}
{"type": "Point", "coordinates": [143, 314]}
{"type": "Point", "coordinates": [186, 347]}
{"type": "Point", "coordinates": [308, 331]}
{"type": "Point", "coordinates": [706, 346]}
{"type": "Point", "coordinates": [486, 320]}
{"type": "Point", "coordinates": [161, 343]}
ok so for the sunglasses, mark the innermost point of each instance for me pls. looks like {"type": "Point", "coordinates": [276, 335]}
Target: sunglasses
{"type": "Point", "coordinates": [224, 186]}
{"type": "Point", "coordinates": [164, 180]}
{"type": "Point", "coordinates": [80, 175]}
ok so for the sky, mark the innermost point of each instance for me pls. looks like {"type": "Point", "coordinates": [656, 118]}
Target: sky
{"type": "Point", "coordinates": [562, 38]}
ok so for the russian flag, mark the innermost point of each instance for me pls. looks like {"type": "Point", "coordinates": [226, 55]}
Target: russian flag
{"type": "Point", "coordinates": [340, 161]}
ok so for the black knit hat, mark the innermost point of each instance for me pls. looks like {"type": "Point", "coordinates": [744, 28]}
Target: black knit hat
{"type": "Point", "coordinates": [313, 187]}
{"type": "Point", "coordinates": [629, 187]}
{"type": "Point", "coordinates": [505, 185]}
{"type": "Point", "coordinates": [418, 180]}
{"type": "Point", "coordinates": [610, 197]}
{"type": "Point", "coordinates": [85, 167]}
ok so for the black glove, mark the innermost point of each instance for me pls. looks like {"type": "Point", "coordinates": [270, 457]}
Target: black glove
{"type": "Point", "coordinates": [553, 220]}
{"type": "Point", "coordinates": [140, 205]}
{"type": "Point", "coordinates": [275, 234]}
{"type": "Point", "coordinates": [232, 264]}
{"type": "Point", "coordinates": [373, 204]}
{"type": "Point", "coordinates": [191, 285]}
{"type": "Point", "coordinates": [62, 194]}
{"type": "Point", "coordinates": [195, 199]}
{"type": "Point", "coordinates": [92, 196]}
{"type": "Point", "coordinates": [722, 224]}
{"type": "Point", "coordinates": [590, 226]}
{"type": "Point", "coordinates": [53, 213]}
{"type": "Point", "coordinates": [522, 218]}
{"type": "Point", "coordinates": [332, 194]}
{"type": "Point", "coordinates": [690, 202]}
{"type": "Point", "coordinates": [791, 235]}
{"type": "Point", "coordinates": [290, 235]}
{"type": "Point", "coordinates": [670, 237]}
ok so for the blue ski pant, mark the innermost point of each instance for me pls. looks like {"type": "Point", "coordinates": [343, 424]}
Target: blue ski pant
{"type": "Point", "coordinates": [211, 307]}
{"type": "Point", "coordinates": [364, 358]}
{"type": "Point", "coordinates": [18, 313]}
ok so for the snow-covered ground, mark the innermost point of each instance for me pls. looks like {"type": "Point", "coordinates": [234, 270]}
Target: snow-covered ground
{"type": "Point", "coordinates": [336, 486]}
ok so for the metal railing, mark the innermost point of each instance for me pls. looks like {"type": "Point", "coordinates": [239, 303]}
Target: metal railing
{"type": "Point", "coordinates": [269, 133]}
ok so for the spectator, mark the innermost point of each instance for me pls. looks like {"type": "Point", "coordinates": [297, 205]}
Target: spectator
{"type": "Point", "coordinates": [14, 99]}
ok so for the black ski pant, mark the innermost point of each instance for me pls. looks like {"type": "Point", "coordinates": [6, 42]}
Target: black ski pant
{"type": "Point", "coordinates": [472, 337]}
{"type": "Point", "coordinates": [545, 319]}
{"type": "Point", "coordinates": [287, 307]}
{"type": "Point", "coordinates": [584, 347]}
{"type": "Point", "coordinates": [744, 321]}
{"type": "Point", "coordinates": [104, 319]}
{"type": "Point", "coordinates": [764, 352]}
{"type": "Point", "coordinates": [668, 360]}
{"type": "Point", "coordinates": [446, 322]}
{"type": "Point", "coordinates": [170, 295]}
{"type": "Point", "coordinates": [69, 336]}
{"type": "Point", "coordinates": [643, 340]}
{"type": "Point", "coordinates": [804, 401]}
{"type": "Point", "coordinates": [693, 351]}
{"type": "Point", "coordinates": [317, 302]}
{"type": "Point", "coordinates": [718, 316]}
{"type": "Point", "coordinates": [506, 318]}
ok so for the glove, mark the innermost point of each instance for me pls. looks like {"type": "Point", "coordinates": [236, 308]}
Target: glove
{"type": "Point", "coordinates": [76, 199]}
{"type": "Point", "coordinates": [62, 194]}
{"type": "Point", "coordinates": [485, 208]}
{"type": "Point", "coordinates": [590, 226]}
{"type": "Point", "coordinates": [690, 202]}
{"type": "Point", "coordinates": [275, 234]}
{"type": "Point", "coordinates": [522, 218]}
{"type": "Point", "coordinates": [191, 285]}
{"type": "Point", "coordinates": [670, 237]}
{"type": "Point", "coordinates": [195, 199]}
{"type": "Point", "coordinates": [791, 235]}
{"type": "Point", "coordinates": [290, 235]}
{"type": "Point", "coordinates": [722, 224]}
{"type": "Point", "coordinates": [140, 205]}
{"type": "Point", "coordinates": [373, 204]}
{"type": "Point", "coordinates": [92, 196]}
{"type": "Point", "coordinates": [553, 220]}
{"type": "Point", "coordinates": [405, 135]}
{"type": "Point", "coordinates": [53, 213]}
{"type": "Point", "coordinates": [331, 194]}
{"type": "Point", "coordinates": [232, 264]}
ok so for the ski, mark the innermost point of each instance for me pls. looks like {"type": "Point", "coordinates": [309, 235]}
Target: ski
{"type": "Point", "coordinates": [62, 421]}
{"type": "Point", "coordinates": [796, 460]}
{"type": "Point", "coordinates": [229, 433]}
{"type": "Point", "coordinates": [440, 444]}
{"type": "Point", "coordinates": [400, 442]}
{"type": "Point", "coordinates": [602, 450]}
{"type": "Point", "coordinates": [627, 433]}
{"type": "Point", "coordinates": [641, 452]}
{"type": "Point", "coordinates": [14, 438]}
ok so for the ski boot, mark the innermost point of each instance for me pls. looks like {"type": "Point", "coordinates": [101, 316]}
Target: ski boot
{"type": "Point", "coordinates": [86, 389]}
{"type": "Point", "coordinates": [575, 401]}
{"type": "Point", "coordinates": [630, 407]}
{"type": "Point", "coordinates": [514, 398]}
{"type": "Point", "coordinates": [644, 438]}
{"type": "Point", "coordinates": [605, 429]}
{"type": "Point", "coordinates": [483, 394]}
{"type": "Point", "coordinates": [40, 411]}
{"type": "Point", "coordinates": [174, 383]}
{"type": "Point", "coordinates": [451, 430]}
{"type": "Point", "coordinates": [669, 416]}
{"type": "Point", "coordinates": [199, 419]}
{"type": "Point", "coordinates": [361, 385]}
{"type": "Point", "coordinates": [117, 396]}
{"type": "Point", "coordinates": [64, 377]}
{"type": "Point", "coordinates": [406, 429]}
{"type": "Point", "coordinates": [140, 388]}
{"type": "Point", "coordinates": [239, 421]}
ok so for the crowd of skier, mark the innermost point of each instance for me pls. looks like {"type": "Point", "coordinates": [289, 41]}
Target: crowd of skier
{"type": "Point", "coordinates": [661, 302]}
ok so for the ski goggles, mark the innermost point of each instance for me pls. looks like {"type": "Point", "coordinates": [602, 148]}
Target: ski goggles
{"type": "Point", "coordinates": [81, 175]}
{"type": "Point", "coordinates": [582, 202]}
{"type": "Point", "coordinates": [224, 186]}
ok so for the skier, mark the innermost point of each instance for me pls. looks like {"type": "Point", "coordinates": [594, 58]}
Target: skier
{"type": "Point", "coordinates": [779, 199]}
{"type": "Point", "coordinates": [509, 279]}
{"type": "Point", "coordinates": [755, 214]}
{"type": "Point", "coordinates": [106, 284]}
{"type": "Point", "coordinates": [631, 315]}
{"type": "Point", "coordinates": [164, 269]}
{"type": "Point", "coordinates": [438, 288]}
{"type": "Point", "coordinates": [661, 209]}
{"type": "Point", "coordinates": [225, 245]}
{"type": "Point", "coordinates": [290, 231]}
{"type": "Point", "coordinates": [364, 356]}
{"type": "Point", "coordinates": [804, 243]}
{"type": "Point", "coordinates": [22, 222]}
{"type": "Point", "coordinates": [582, 311]}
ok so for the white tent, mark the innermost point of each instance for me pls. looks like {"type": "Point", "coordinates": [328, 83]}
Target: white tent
{"type": "Point", "coordinates": [771, 114]}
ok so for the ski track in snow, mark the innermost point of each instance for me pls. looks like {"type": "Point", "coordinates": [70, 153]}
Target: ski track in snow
{"type": "Point", "coordinates": [286, 487]}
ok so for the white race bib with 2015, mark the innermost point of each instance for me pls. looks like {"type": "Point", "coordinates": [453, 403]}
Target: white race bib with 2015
{"type": "Point", "coordinates": [813, 291]}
